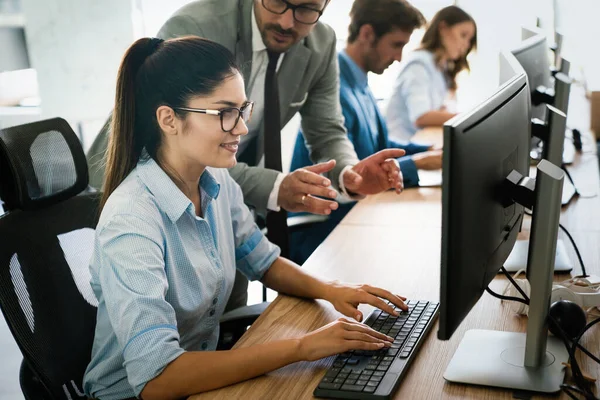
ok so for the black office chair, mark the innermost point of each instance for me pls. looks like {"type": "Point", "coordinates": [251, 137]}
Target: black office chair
{"type": "Point", "coordinates": [47, 236]}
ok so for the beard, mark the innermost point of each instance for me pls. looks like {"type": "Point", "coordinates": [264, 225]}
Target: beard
{"type": "Point", "coordinates": [274, 45]}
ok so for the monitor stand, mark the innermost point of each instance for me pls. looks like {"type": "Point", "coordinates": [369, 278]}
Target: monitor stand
{"type": "Point", "coordinates": [534, 360]}
{"type": "Point", "coordinates": [496, 358]}
{"type": "Point", "coordinates": [517, 259]}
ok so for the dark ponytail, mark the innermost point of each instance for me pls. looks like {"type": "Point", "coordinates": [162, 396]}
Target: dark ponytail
{"type": "Point", "coordinates": [154, 73]}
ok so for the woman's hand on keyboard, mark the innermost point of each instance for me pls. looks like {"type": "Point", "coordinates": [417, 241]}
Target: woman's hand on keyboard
{"type": "Point", "coordinates": [346, 298]}
{"type": "Point", "coordinates": [340, 336]}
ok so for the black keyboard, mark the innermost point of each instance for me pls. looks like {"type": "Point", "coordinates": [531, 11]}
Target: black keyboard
{"type": "Point", "coordinates": [362, 374]}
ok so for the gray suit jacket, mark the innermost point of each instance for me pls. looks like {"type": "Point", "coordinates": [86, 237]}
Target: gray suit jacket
{"type": "Point", "coordinates": [308, 83]}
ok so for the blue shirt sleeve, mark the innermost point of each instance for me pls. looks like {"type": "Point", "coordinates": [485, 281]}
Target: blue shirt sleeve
{"type": "Point", "coordinates": [409, 170]}
{"type": "Point", "coordinates": [254, 254]}
{"type": "Point", "coordinates": [131, 272]}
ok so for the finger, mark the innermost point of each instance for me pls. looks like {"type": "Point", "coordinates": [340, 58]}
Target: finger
{"type": "Point", "coordinates": [384, 294]}
{"type": "Point", "coordinates": [391, 165]}
{"type": "Point", "coordinates": [383, 155]}
{"type": "Point", "coordinates": [315, 190]}
{"type": "Point", "coordinates": [318, 206]}
{"type": "Point", "coordinates": [377, 302]}
{"type": "Point", "coordinates": [358, 327]}
{"type": "Point", "coordinates": [309, 177]}
{"type": "Point", "coordinates": [358, 345]}
{"type": "Point", "coordinates": [364, 337]}
{"type": "Point", "coordinates": [352, 179]}
{"type": "Point", "coordinates": [322, 167]}
{"type": "Point", "coordinates": [348, 310]}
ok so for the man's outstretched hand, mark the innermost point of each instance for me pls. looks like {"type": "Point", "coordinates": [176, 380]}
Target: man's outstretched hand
{"type": "Point", "coordinates": [376, 173]}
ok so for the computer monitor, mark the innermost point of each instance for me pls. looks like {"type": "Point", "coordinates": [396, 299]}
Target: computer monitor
{"type": "Point", "coordinates": [550, 128]}
{"type": "Point", "coordinates": [481, 148]}
{"type": "Point", "coordinates": [532, 54]}
{"type": "Point", "coordinates": [509, 67]}
{"type": "Point", "coordinates": [483, 152]}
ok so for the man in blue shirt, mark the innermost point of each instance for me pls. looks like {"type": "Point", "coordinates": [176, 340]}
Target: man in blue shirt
{"type": "Point", "coordinates": [378, 32]}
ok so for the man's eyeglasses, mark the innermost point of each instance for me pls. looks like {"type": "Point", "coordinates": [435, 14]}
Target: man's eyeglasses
{"type": "Point", "coordinates": [229, 116]}
{"type": "Point", "coordinates": [303, 14]}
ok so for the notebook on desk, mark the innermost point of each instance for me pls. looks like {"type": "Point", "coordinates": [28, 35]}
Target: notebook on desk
{"type": "Point", "coordinates": [430, 178]}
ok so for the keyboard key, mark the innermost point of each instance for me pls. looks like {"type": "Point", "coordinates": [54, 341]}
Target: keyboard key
{"type": "Point", "coordinates": [378, 374]}
{"type": "Point", "coordinates": [327, 379]}
{"type": "Point", "coordinates": [404, 354]}
{"type": "Point", "coordinates": [330, 386]}
{"type": "Point", "coordinates": [333, 372]}
{"type": "Point", "coordinates": [352, 361]}
{"type": "Point", "coordinates": [362, 382]}
{"type": "Point", "coordinates": [354, 376]}
{"type": "Point", "coordinates": [370, 367]}
{"type": "Point", "coordinates": [392, 352]}
{"type": "Point", "coordinates": [339, 380]}
{"type": "Point", "coordinates": [382, 368]}
{"type": "Point", "coordinates": [353, 388]}
{"type": "Point", "coordinates": [369, 389]}
{"type": "Point", "coordinates": [350, 382]}
{"type": "Point", "coordinates": [372, 384]}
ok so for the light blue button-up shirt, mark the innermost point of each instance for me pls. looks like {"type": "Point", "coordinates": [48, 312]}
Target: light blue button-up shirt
{"type": "Point", "coordinates": [420, 87]}
{"type": "Point", "coordinates": [162, 275]}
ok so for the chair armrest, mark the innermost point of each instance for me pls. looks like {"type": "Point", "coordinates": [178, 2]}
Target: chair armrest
{"type": "Point", "coordinates": [245, 314]}
{"type": "Point", "coordinates": [234, 324]}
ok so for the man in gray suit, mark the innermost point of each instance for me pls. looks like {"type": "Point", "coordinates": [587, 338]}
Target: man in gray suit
{"type": "Point", "coordinates": [308, 83]}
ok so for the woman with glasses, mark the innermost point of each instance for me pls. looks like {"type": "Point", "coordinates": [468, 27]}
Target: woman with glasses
{"type": "Point", "coordinates": [173, 230]}
{"type": "Point", "coordinates": [428, 75]}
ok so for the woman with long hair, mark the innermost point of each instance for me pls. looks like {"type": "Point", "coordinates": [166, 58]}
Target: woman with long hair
{"type": "Point", "coordinates": [428, 74]}
{"type": "Point", "coordinates": [173, 229]}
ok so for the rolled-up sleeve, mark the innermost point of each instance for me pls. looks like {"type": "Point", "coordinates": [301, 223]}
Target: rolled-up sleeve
{"type": "Point", "coordinates": [133, 279]}
{"type": "Point", "coordinates": [416, 91]}
{"type": "Point", "coordinates": [254, 254]}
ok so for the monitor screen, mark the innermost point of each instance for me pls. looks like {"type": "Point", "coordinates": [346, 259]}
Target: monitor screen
{"type": "Point", "coordinates": [479, 224]}
{"type": "Point", "coordinates": [532, 54]}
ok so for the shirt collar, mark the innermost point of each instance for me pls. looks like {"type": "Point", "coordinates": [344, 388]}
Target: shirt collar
{"type": "Point", "coordinates": [358, 74]}
{"type": "Point", "coordinates": [169, 197]}
{"type": "Point", "coordinates": [257, 41]}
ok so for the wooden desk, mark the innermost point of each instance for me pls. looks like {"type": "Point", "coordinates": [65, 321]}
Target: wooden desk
{"type": "Point", "coordinates": [394, 242]}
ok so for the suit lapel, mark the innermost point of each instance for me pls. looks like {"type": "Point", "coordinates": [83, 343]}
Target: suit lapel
{"type": "Point", "coordinates": [295, 61]}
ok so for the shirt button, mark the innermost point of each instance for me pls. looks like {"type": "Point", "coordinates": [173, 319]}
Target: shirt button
{"type": "Point", "coordinates": [212, 312]}
{"type": "Point", "coordinates": [215, 300]}
{"type": "Point", "coordinates": [204, 346]}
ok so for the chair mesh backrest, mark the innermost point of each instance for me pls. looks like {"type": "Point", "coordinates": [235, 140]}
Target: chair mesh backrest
{"type": "Point", "coordinates": [45, 246]}
{"type": "Point", "coordinates": [40, 164]}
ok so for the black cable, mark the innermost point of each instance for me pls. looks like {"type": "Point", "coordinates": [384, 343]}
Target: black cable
{"type": "Point", "coordinates": [585, 329]}
{"type": "Point", "coordinates": [575, 370]}
{"type": "Point", "coordinates": [570, 178]}
{"type": "Point", "coordinates": [501, 297]}
{"type": "Point", "coordinates": [510, 278]}
{"type": "Point", "coordinates": [581, 263]}
{"type": "Point", "coordinates": [583, 271]}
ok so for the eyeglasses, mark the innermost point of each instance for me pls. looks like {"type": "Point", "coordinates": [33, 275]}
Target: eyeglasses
{"type": "Point", "coordinates": [229, 116]}
{"type": "Point", "coordinates": [303, 14]}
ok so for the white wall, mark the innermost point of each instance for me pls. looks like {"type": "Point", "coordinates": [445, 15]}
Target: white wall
{"type": "Point", "coordinates": [75, 47]}
{"type": "Point", "coordinates": [578, 21]}
{"type": "Point", "coordinates": [498, 28]}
